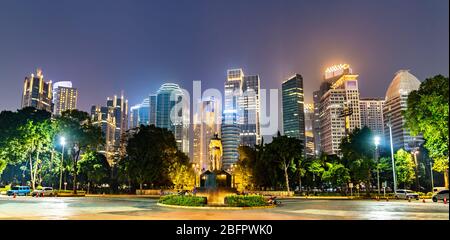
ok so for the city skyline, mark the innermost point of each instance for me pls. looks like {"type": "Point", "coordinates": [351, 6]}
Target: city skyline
{"type": "Point", "coordinates": [122, 66]}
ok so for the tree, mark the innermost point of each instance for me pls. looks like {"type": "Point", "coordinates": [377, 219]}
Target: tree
{"type": "Point", "coordinates": [150, 151]}
{"type": "Point", "coordinates": [427, 113]}
{"type": "Point", "coordinates": [94, 167]}
{"type": "Point", "coordinates": [404, 167]}
{"type": "Point", "coordinates": [336, 173]}
{"type": "Point", "coordinates": [245, 167]}
{"type": "Point", "coordinates": [357, 154]}
{"type": "Point", "coordinates": [81, 136]}
{"type": "Point", "coordinates": [285, 151]}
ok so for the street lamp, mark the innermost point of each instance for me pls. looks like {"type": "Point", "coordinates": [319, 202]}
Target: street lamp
{"type": "Point", "coordinates": [389, 124]}
{"type": "Point", "coordinates": [233, 176]}
{"type": "Point", "coordinates": [432, 180]}
{"type": "Point", "coordinates": [62, 141]}
{"type": "Point", "coordinates": [377, 142]}
{"type": "Point", "coordinates": [415, 151]}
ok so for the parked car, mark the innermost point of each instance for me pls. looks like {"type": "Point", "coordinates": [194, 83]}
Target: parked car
{"type": "Point", "coordinates": [440, 195]}
{"type": "Point", "coordinates": [406, 194]}
{"type": "Point", "coordinates": [45, 191]}
{"type": "Point", "coordinates": [19, 190]}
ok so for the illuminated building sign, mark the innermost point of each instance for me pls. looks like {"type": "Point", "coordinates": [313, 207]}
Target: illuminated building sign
{"type": "Point", "coordinates": [337, 70]}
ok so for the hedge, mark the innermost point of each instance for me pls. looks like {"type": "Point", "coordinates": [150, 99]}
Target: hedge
{"type": "Point", "coordinates": [183, 200]}
{"type": "Point", "coordinates": [245, 201]}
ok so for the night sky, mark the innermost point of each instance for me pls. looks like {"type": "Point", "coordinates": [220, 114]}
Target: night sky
{"type": "Point", "coordinates": [104, 47]}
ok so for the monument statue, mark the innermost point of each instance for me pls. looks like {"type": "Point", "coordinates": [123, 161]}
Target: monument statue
{"type": "Point", "coordinates": [215, 153]}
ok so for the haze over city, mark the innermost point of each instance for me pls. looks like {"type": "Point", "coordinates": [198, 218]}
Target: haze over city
{"type": "Point", "coordinates": [104, 47]}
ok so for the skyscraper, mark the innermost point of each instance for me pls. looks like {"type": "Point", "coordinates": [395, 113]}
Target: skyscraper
{"type": "Point", "coordinates": [396, 102]}
{"type": "Point", "coordinates": [293, 108]}
{"type": "Point", "coordinates": [140, 114]}
{"type": "Point", "coordinates": [37, 93]}
{"type": "Point", "coordinates": [372, 115]}
{"type": "Point", "coordinates": [309, 130]}
{"type": "Point", "coordinates": [206, 125]}
{"type": "Point", "coordinates": [249, 111]}
{"type": "Point", "coordinates": [316, 123]}
{"type": "Point", "coordinates": [339, 107]}
{"type": "Point", "coordinates": [175, 119]}
{"type": "Point", "coordinates": [113, 120]}
{"type": "Point", "coordinates": [152, 110]}
{"type": "Point", "coordinates": [64, 97]}
{"type": "Point", "coordinates": [230, 123]}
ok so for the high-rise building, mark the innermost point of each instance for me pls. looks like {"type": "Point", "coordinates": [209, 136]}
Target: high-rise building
{"type": "Point", "coordinates": [293, 108]}
{"type": "Point", "coordinates": [206, 125]}
{"type": "Point", "coordinates": [152, 111]}
{"type": "Point", "coordinates": [37, 93]}
{"type": "Point", "coordinates": [372, 114]}
{"type": "Point", "coordinates": [316, 123]}
{"type": "Point", "coordinates": [249, 110]}
{"type": "Point", "coordinates": [64, 97]}
{"type": "Point", "coordinates": [173, 118]}
{"type": "Point", "coordinates": [396, 102]}
{"type": "Point", "coordinates": [140, 114]}
{"type": "Point", "coordinates": [113, 120]}
{"type": "Point", "coordinates": [230, 123]}
{"type": "Point", "coordinates": [309, 130]}
{"type": "Point", "coordinates": [339, 107]}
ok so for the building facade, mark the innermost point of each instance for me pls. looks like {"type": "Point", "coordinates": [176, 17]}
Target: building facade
{"type": "Point", "coordinates": [207, 123]}
{"type": "Point", "coordinates": [230, 121]}
{"type": "Point", "coordinates": [316, 122]}
{"type": "Point", "coordinates": [396, 102]}
{"type": "Point", "coordinates": [113, 121]}
{"type": "Point", "coordinates": [339, 107]}
{"type": "Point", "coordinates": [372, 115]}
{"type": "Point", "coordinates": [37, 92]}
{"type": "Point", "coordinates": [64, 97]}
{"type": "Point", "coordinates": [249, 113]}
{"type": "Point", "coordinates": [309, 130]}
{"type": "Point", "coordinates": [293, 108]}
{"type": "Point", "coordinates": [152, 110]}
{"type": "Point", "coordinates": [140, 114]}
{"type": "Point", "coordinates": [172, 113]}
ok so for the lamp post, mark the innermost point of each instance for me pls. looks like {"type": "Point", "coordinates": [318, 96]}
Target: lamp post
{"type": "Point", "coordinates": [389, 124]}
{"type": "Point", "coordinates": [62, 141]}
{"type": "Point", "coordinates": [431, 171]}
{"type": "Point", "coordinates": [233, 176]}
{"type": "Point", "coordinates": [415, 152]}
{"type": "Point", "coordinates": [377, 142]}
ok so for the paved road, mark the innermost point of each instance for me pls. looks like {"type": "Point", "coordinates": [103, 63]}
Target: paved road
{"type": "Point", "coordinates": [146, 208]}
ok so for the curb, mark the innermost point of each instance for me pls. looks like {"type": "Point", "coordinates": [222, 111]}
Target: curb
{"type": "Point", "coordinates": [216, 208]}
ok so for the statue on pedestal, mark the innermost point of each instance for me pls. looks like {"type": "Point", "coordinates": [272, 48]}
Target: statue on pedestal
{"type": "Point", "coordinates": [215, 153]}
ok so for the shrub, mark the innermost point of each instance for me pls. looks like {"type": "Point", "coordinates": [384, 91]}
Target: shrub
{"type": "Point", "coordinates": [183, 200]}
{"type": "Point", "coordinates": [245, 201]}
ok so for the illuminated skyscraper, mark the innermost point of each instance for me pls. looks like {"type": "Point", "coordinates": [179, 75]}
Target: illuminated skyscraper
{"type": "Point", "coordinates": [140, 114]}
{"type": "Point", "coordinates": [64, 97]}
{"type": "Point", "coordinates": [293, 108]}
{"type": "Point", "coordinates": [316, 123]}
{"type": "Point", "coordinates": [113, 120]}
{"type": "Point", "coordinates": [172, 113]}
{"type": "Point", "coordinates": [339, 107]}
{"type": "Point", "coordinates": [206, 124]}
{"type": "Point", "coordinates": [372, 115]}
{"type": "Point", "coordinates": [249, 110]}
{"type": "Point", "coordinates": [152, 111]}
{"type": "Point", "coordinates": [309, 129]}
{"type": "Point", "coordinates": [37, 93]}
{"type": "Point", "coordinates": [396, 102]}
{"type": "Point", "coordinates": [230, 123]}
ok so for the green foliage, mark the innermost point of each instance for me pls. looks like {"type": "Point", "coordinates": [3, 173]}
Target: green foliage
{"type": "Point", "coordinates": [153, 158]}
{"type": "Point", "coordinates": [185, 200]}
{"type": "Point", "coordinates": [427, 113]}
{"type": "Point", "coordinates": [357, 154]}
{"type": "Point", "coordinates": [404, 167]}
{"type": "Point", "coordinates": [336, 173]}
{"type": "Point", "coordinates": [245, 201]}
{"type": "Point", "coordinates": [94, 167]}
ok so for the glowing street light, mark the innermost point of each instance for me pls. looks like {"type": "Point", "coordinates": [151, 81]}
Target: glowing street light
{"type": "Point", "coordinates": [62, 141]}
{"type": "Point", "coordinates": [376, 141]}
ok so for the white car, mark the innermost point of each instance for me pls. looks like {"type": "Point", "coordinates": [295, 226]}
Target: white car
{"type": "Point", "coordinates": [45, 191]}
{"type": "Point", "coordinates": [440, 195]}
{"type": "Point", "coordinates": [406, 194]}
